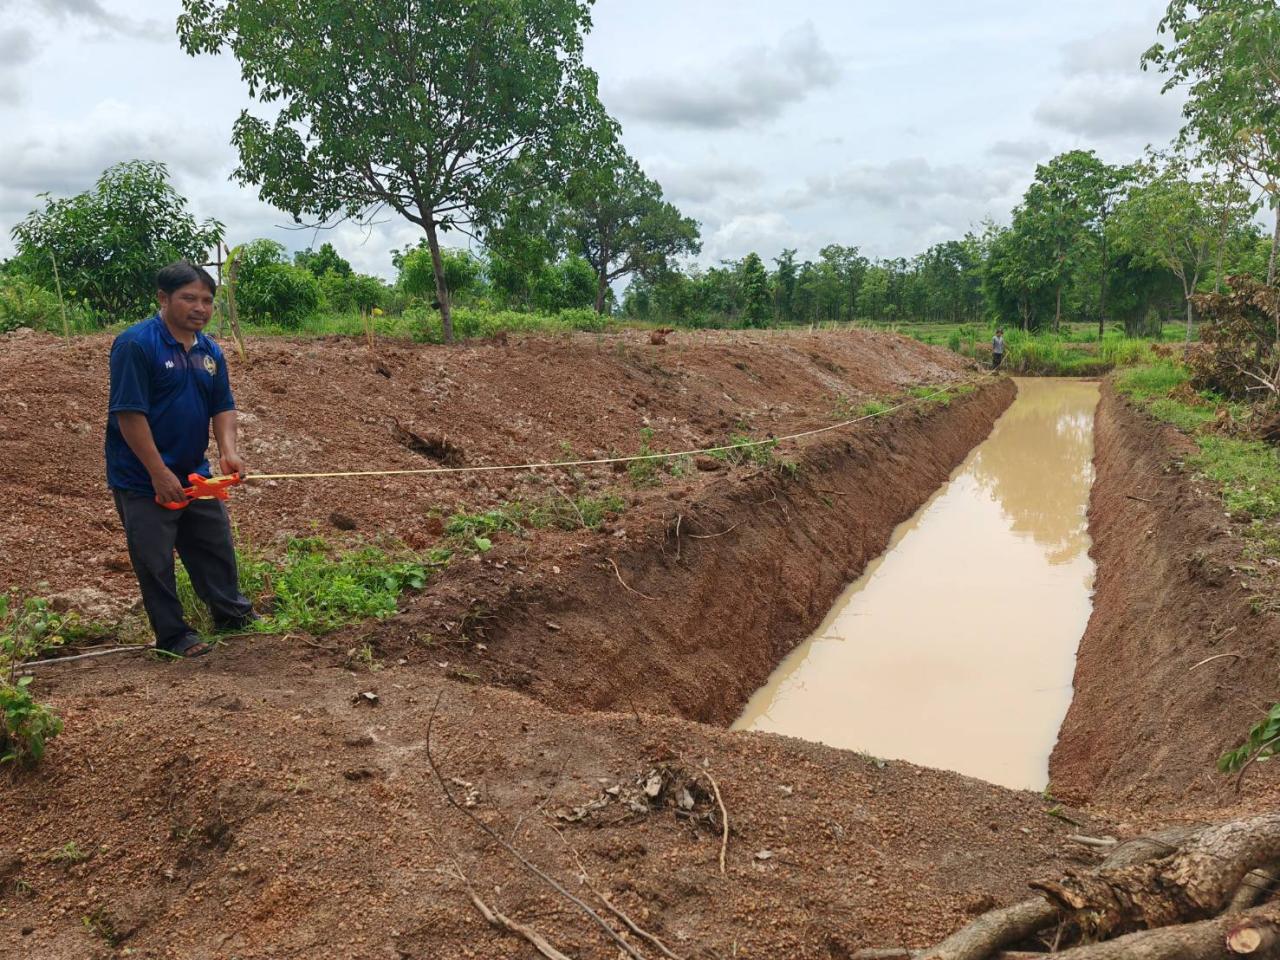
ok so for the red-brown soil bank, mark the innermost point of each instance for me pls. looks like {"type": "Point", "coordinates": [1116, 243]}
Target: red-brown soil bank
{"type": "Point", "coordinates": [1149, 720]}
{"type": "Point", "coordinates": [254, 804]}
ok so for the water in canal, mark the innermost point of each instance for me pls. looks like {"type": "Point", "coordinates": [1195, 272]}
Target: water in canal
{"type": "Point", "coordinates": [955, 649]}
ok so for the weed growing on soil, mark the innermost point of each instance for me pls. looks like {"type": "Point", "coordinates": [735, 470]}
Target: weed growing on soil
{"type": "Point", "coordinates": [475, 531]}
{"type": "Point", "coordinates": [316, 589]}
{"type": "Point", "coordinates": [1247, 472]}
{"type": "Point", "coordinates": [102, 925]}
{"type": "Point", "coordinates": [873, 408]}
{"type": "Point", "coordinates": [68, 854]}
{"type": "Point", "coordinates": [646, 472]}
{"type": "Point", "coordinates": [742, 449]}
{"type": "Point", "coordinates": [27, 629]}
{"type": "Point", "coordinates": [25, 725]}
{"type": "Point", "coordinates": [1260, 745]}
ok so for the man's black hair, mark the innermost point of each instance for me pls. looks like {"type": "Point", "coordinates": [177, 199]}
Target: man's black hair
{"type": "Point", "coordinates": [182, 272]}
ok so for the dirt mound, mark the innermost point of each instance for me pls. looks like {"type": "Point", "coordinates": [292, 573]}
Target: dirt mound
{"type": "Point", "coordinates": [323, 405]}
{"type": "Point", "coordinates": [254, 805]}
{"type": "Point", "coordinates": [274, 801]}
{"type": "Point", "coordinates": [1175, 665]}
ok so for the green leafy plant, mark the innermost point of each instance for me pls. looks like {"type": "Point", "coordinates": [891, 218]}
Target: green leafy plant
{"type": "Point", "coordinates": [317, 588]}
{"type": "Point", "coordinates": [1260, 745]}
{"type": "Point", "coordinates": [26, 726]}
{"type": "Point", "coordinates": [28, 628]}
{"type": "Point", "coordinates": [742, 449]}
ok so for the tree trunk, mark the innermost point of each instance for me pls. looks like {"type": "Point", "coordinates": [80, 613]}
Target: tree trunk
{"type": "Point", "coordinates": [1190, 318]}
{"type": "Point", "coordinates": [1102, 287]}
{"type": "Point", "coordinates": [1275, 245]}
{"type": "Point", "coordinates": [602, 289]}
{"type": "Point", "coordinates": [442, 288]}
{"type": "Point", "coordinates": [1057, 311]}
{"type": "Point", "coordinates": [1192, 884]}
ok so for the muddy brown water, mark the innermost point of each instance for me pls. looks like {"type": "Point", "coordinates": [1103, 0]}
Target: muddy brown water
{"type": "Point", "coordinates": [955, 649]}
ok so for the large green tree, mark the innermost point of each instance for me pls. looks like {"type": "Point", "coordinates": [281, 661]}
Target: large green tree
{"type": "Point", "coordinates": [1226, 55]}
{"type": "Point", "coordinates": [425, 108]}
{"type": "Point", "coordinates": [104, 246]}
{"type": "Point", "coordinates": [1175, 221]}
{"type": "Point", "coordinates": [616, 219]}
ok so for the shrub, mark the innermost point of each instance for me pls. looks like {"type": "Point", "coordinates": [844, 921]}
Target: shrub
{"type": "Point", "coordinates": [25, 304]}
{"type": "Point", "coordinates": [351, 292]}
{"type": "Point", "coordinates": [1240, 339]}
{"type": "Point", "coordinates": [26, 726]}
{"type": "Point", "coordinates": [278, 293]}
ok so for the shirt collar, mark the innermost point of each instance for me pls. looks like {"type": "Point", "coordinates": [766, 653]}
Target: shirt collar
{"type": "Point", "coordinates": [201, 340]}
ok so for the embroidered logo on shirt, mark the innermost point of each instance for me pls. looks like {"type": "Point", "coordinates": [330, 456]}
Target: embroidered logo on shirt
{"type": "Point", "coordinates": [210, 366]}
{"type": "Point", "coordinates": [168, 364]}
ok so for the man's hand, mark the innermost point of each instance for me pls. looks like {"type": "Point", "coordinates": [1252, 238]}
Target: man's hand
{"type": "Point", "coordinates": [233, 463]}
{"type": "Point", "coordinates": [168, 487]}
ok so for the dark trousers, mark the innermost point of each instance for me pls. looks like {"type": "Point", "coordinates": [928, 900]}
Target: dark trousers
{"type": "Point", "coordinates": [201, 533]}
{"type": "Point", "coordinates": [996, 360]}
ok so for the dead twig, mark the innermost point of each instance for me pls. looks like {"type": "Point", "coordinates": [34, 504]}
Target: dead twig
{"type": "Point", "coordinates": [1139, 499]}
{"type": "Point", "coordinates": [615, 910]}
{"type": "Point", "coordinates": [502, 922]}
{"type": "Point", "coordinates": [133, 648]}
{"type": "Point", "coordinates": [724, 819]}
{"type": "Point", "coordinates": [512, 851]}
{"type": "Point", "coordinates": [618, 573]}
{"type": "Point", "coordinates": [712, 536]}
{"type": "Point", "coordinates": [1213, 658]}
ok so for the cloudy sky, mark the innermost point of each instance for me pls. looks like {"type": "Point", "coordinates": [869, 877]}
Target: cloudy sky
{"type": "Point", "coordinates": [885, 124]}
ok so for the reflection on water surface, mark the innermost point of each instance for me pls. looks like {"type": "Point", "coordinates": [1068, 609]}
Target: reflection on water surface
{"type": "Point", "coordinates": [956, 648]}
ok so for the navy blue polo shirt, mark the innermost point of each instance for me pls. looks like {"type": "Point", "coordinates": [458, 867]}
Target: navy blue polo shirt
{"type": "Point", "coordinates": [180, 391]}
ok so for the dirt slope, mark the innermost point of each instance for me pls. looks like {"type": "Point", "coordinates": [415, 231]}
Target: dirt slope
{"type": "Point", "coordinates": [243, 806]}
{"type": "Point", "coordinates": [1147, 724]}
{"type": "Point", "coordinates": [688, 604]}
{"type": "Point", "coordinates": [322, 405]}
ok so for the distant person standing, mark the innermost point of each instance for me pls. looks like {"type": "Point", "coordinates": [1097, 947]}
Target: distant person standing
{"type": "Point", "coordinates": [997, 349]}
{"type": "Point", "coordinates": [168, 383]}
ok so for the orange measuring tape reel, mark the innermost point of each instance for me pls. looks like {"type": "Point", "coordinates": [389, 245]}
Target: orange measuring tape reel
{"type": "Point", "coordinates": [204, 488]}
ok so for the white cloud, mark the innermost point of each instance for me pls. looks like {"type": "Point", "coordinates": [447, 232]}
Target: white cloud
{"type": "Point", "coordinates": [1105, 95]}
{"type": "Point", "coordinates": [93, 12]}
{"type": "Point", "coordinates": [756, 84]}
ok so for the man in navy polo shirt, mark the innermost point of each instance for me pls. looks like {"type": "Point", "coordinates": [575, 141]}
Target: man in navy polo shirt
{"type": "Point", "coordinates": [168, 382]}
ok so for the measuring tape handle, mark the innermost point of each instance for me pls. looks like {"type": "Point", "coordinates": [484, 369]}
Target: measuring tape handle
{"type": "Point", "coordinates": [204, 488]}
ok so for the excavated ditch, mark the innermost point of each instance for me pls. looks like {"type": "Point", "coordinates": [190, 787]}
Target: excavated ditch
{"type": "Point", "coordinates": [955, 648]}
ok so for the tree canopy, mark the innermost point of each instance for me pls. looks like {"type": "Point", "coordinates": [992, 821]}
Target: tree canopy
{"type": "Point", "coordinates": [106, 244]}
{"type": "Point", "coordinates": [423, 108]}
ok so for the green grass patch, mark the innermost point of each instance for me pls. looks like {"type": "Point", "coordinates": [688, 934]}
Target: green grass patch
{"type": "Point", "coordinates": [318, 588]}
{"type": "Point", "coordinates": [874, 408]}
{"type": "Point", "coordinates": [741, 449]}
{"type": "Point", "coordinates": [475, 531]}
{"type": "Point", "coordinates": [1247, 471]}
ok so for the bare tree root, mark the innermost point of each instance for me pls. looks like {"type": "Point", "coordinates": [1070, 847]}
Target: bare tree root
{"type": "Point", "coordinates": [626, 948]}
{"type": "Point", "coordinates": [1254, 887]}
{"type": "Point", "coordinates": [1194, 883]}
{"type": "Point", "coordinates": [1207, 940]}
{"type": "Point", "coordinates": [985, 937]}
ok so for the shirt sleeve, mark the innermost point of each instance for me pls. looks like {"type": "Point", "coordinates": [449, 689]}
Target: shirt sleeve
{"type": "Point", "coordinates": [222, 398]}
{"type": "Point", "coordinates": [130, 378]}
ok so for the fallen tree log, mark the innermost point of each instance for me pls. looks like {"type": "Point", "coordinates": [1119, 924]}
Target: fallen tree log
{"type": "Point", "coordinates": [1206, 940]}
{"type": "Point", "coordinates": [1194, 883]}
